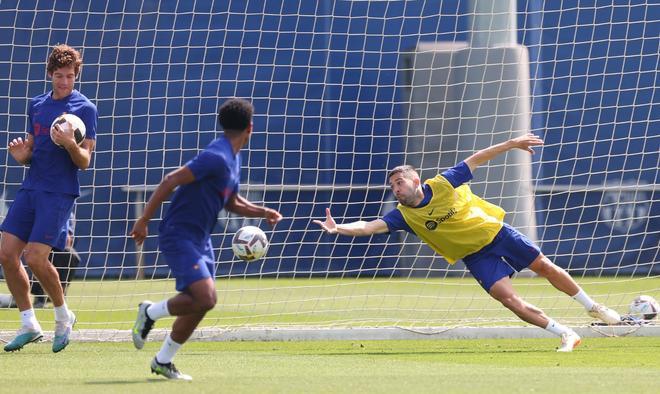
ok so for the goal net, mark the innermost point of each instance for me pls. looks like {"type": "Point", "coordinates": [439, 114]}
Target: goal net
{"type": "Point", "coordinates": [344, 91]}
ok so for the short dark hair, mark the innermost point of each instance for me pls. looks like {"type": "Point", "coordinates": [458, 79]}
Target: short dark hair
{"type": "Point", "coordinates": [405, 169]}
{"type": "Point", "coordinates": [235, 115]}
{"type": "Point", "coordinates": [64, 56]}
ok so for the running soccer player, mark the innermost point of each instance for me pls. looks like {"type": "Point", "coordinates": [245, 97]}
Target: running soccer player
{"type": "Point", "coordinates": [457, 224]}
{"type": "Point", "coordinates": [37, 219]}
{"type": "Point", "coordinates": [206, 184]}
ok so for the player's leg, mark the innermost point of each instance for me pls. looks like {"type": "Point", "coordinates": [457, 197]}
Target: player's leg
{"type": "Point", "coordinates": [190, 307]}
{"type": "Point", "coordinates": [494, 276]}
{"type": "Point", "coordinates": [196, 299]}
{"type": "Point", "coordinates": [200, 297]}
{"type": "Point", "coordinates": [520, 252]}
{"type": "Point", "coordinates": [50, 231]}
{"type": "Point", "coordinates": [503, 291]}
{"type": "Point", "coordinates": [194, 269]}
{"type": "Point", "coordinates": [16, 230]}
{"type": "Point", "coordinates": [36, 257]}
{"type": "Point", "coordinates": [11, 248]}
{"type": "Point", "coordinates": [189, 264]}
{"type": "Point", "coordinates": [17, 280]}
{"type": "Point", "coordinates": [562, 281]}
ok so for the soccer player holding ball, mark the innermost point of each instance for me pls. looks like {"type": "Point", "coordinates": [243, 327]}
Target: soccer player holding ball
{"type": "Point", "coordinates": [455, 223]}
{"type": "Point", "coordinates": [206, 184]}
{"type": "Point", "coordinates": [37, 219]}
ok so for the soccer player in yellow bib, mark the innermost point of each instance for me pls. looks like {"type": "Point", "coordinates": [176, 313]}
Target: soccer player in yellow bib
{"type": "Point", "coordinates": [457, 224]}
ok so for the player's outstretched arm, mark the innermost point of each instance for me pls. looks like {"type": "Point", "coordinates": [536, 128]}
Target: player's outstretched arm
{"type": "Point", "coordinates": [180, 176]}
{"type": "Point", "coordinates": [525, 142]}
{"type": "Point", "coordinates": [354, 229]}
{"type": "Point", "coordinates": [21, 149]}
{"type": "Point", "coordinates": [241, 206]}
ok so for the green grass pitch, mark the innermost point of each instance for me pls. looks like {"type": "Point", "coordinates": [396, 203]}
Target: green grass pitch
{"type": "Point", "coordinates": [625, 364]}
{"type": "Point", "coordinates": [630, 365]}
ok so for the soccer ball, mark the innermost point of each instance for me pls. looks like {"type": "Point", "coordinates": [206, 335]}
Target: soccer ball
{"type": "Point", "coordinates": [70, 122]}
{"type": "Point", "coordinates": [644, 308]}
{"type": "Point", "coordinates": [249, 243]}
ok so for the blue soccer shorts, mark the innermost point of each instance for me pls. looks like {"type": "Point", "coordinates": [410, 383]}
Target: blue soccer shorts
{"type": "Point", "coordinates": [510, 251]}
{"type": "Point", "coordinates": [39, 216]}
{"type": "Point", "coordinates": [189, 261]}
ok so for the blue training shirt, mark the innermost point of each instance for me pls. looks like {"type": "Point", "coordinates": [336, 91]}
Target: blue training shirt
{"type": "Point", "coordinates": [457, 175]}
{"type": "Point", "coordinates": [194, 209]}
{"type": "Point", "coordinates": [51, 167]}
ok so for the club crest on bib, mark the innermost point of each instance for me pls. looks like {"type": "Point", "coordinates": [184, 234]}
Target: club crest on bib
{"type": "Point", "coordinates": [431, 224]}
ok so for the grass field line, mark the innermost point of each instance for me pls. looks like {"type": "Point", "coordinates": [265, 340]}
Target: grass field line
{"type": "Point", "coordinates": [302, 333]}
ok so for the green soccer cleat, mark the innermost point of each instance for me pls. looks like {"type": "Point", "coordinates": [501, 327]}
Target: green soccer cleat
{"type": "Point", "coordinates": [143, 324]}
{"type": "Point", "coordinates": [63, 332]}
{"type": "Point", "coordinates": [23, 337]}
{"type": "Point", "coordinates": [168, 370]}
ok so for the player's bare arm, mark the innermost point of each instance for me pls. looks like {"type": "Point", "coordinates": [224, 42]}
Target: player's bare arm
{"type": "Point", "coordinates": [354, 229]}
{"type": "Point", "coordinates": [21, 149]}
{"type": "Point", "coordinates": [241, 206]}
{"type": "Point", "coordinates": [525, 142]}
{"type": "Point", "coordinates": [81, 155]}
{"type": "Point", "coordinates": [180, 176]}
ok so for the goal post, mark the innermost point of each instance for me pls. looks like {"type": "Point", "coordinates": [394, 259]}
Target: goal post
{"type": "Point", "coordinates": [345, 90]}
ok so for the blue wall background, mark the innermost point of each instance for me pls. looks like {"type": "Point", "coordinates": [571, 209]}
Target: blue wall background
{"type": "Point", "coordinates": [325, 78]}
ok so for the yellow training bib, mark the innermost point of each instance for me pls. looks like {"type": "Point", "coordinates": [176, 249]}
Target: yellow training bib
{"type": "Point", "coordinates": [455, 223]}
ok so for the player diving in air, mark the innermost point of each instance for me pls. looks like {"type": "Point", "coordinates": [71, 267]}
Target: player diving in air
{"type": "Point", "coordinates": [457, 224]}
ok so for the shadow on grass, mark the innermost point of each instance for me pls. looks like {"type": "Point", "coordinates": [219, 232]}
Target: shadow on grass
{"type": "Point", "coordinates": [126, 381]}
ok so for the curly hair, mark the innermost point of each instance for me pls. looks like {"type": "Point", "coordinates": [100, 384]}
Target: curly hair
{"type": "Point", "coordinates": [235, 115]}
{"type": "Point", "coordinates": [64, 56]}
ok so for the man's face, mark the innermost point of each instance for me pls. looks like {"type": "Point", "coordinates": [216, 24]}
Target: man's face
{"type": "Point", "coordinates": [404, 188]}
{"type": "Point", "coordinates": [63, 79]}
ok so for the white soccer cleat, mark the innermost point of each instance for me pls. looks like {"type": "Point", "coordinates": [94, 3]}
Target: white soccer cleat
{"type": "Point", "coordinates": [607, 315]}
{"type": "Point", "coordinates": [63, 332]}
{"type": "Point", "coordinates": [569, 341]}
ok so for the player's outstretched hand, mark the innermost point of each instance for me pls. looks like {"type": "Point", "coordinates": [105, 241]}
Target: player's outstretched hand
{"type": "Point", "coordinates": [526, 142]}
{"type": "Point", "coordinates": [329, 225]}
{"type": "Point", "coordinates": [272, 216]}
{"type": "Point", "coordinates": [139, 232]}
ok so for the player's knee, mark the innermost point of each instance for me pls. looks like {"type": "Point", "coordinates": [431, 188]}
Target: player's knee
{"type": "Point", "coordinates": [35, 260]}
{"type": "Point", "coordinates": [9, 262]}
{"type": "Point", "coordinates": [513, 302]}
{"type": "Point", "coordinates": [544, 267]}
{"type": "Point", "coordinates": [206, 303]}
{"type": "Point", "coordinates": [8, 256]}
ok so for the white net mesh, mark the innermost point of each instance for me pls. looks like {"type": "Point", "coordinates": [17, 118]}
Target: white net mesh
{"type": "Point", "coordinates": [344, 91]}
